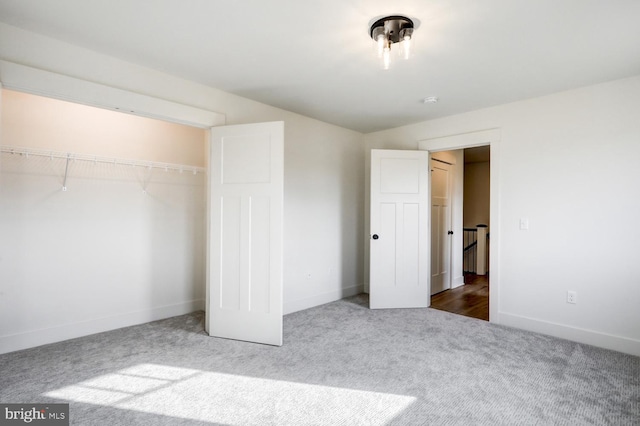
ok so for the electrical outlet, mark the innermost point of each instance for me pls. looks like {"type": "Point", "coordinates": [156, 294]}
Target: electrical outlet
{"type": "Point", "coordinates": [572, 297]}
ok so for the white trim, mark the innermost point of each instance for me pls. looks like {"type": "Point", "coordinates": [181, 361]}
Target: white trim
{"type": "Point", "coordinates": [469, 140]}
{"type": "Point", "coordinates": [45, 83]}
{"type": "Point", "coordinates": [45, 336]}
{"type": "Point", "coordinates": [321, 299]}
{"type": "Point", "coordinates": [581, 335]}
{"type": "Point", "coordinates": [457, 281]}
{"type": "Point", "coordinates": [463, 140]}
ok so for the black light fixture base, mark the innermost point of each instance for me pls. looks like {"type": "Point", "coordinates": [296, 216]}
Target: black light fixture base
{"type": "Point", "coordinates": [393, 27]}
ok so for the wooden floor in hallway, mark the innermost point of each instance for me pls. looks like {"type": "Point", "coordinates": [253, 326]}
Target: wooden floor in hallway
{"type": "Point", "coordinates": [470, 299]}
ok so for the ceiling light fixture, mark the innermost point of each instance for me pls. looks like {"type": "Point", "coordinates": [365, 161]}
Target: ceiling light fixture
{"type": "Point", "coordinates": [389, 30]}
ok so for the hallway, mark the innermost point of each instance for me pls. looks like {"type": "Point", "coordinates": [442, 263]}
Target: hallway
{"type": "Point", "coordinates": [470, 299]}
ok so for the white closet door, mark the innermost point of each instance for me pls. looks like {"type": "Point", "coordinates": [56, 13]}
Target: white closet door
{"type": "Point", "coordinates": [440, 226]}
{"type": "Point", "coordinates": [244, 297]}
{"type": "Point", "coordinates": [399, 255]}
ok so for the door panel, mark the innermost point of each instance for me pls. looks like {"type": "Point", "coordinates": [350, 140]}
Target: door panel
{"type": "Point", "coordinates": [230, 262]}
{"type": "Point", "coordinates": [399, 256]}
{"type": "Point", "coordinates": [260, 255]}
{"type": "Point", "coordinates": [410, 259]}
{"type": "Point", "coordinates": [387, 270]}
{"type": "Point", "coordinates": [244, 280]}
{"type": "Point", "coordinates": [399, 176]}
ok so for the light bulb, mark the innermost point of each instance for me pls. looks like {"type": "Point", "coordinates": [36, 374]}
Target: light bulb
{"type": "Point", "coordinates": [405, 36]}
{"type": "Point", "coordinates": [386, 57]}
{"type": "Point", "coordinates": [407, 46]}
{"type": "Point", "coordinates": [380, 40]}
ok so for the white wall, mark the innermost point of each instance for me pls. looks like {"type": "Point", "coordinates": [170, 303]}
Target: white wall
{"type": "Point", "coordinates": [323, 164]}
{"type": "Point", "coordinates": [43, 123]}
{"type": "Point", "coordinates": [560, 157]}
{"type": "Point", "coordinates": [324, 174]}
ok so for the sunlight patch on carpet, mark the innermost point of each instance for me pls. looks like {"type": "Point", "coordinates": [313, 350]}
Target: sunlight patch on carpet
{"type": "Point", "coordinates": [231, 399]}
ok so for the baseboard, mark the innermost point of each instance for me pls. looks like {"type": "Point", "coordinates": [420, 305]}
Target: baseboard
{"type": "Point", "coordinates": [580, 335]}
{"type": "Point", "coordinates": [457, 281]}
{"type": "Point", "coordinates": [30, 339]}
{"type": "Point", "coordinates": [321, 299]}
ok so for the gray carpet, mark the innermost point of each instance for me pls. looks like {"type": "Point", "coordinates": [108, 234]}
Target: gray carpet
{"type": "Point", "coordinates": [341, 364]}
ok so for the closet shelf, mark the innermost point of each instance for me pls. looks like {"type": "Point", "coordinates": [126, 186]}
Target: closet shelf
{"type": "Point", "coordinates": [71, 156]}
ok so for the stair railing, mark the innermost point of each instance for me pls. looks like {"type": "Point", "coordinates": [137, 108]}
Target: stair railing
{"type": "Point", "coordinates": [475, 253]}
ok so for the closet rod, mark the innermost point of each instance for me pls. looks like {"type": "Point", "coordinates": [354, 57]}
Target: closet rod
{"type": "Point", "coordinates": [98, 159]}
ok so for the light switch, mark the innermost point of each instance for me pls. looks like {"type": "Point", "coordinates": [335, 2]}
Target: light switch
{"type": "Point", "coordinates": [524, 223]}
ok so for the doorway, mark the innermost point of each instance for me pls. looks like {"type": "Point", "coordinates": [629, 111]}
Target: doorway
{"type": "Point", "coordinates": [407, 180]}
{"type": "Point", "coordinates": [471, 297]}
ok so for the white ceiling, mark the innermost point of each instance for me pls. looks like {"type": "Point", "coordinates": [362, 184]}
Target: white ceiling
{"type": "Point", "coordinates": [316, 58]}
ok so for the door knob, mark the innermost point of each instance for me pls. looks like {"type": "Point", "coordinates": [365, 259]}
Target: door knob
{"type": "Point", "coordinates": [375, 236]}
{"type": "Point", "coordinates": [449, 232]}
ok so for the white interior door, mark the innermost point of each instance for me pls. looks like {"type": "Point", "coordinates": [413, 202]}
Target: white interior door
{"type": "Point", "coordinates": [399, 252]}
{"type": "Point", "coordinates": [244, 277]}
{"type": "Point", "coordinates": [440, 226]}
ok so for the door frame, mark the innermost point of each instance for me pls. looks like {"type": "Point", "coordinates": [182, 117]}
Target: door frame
{"type": "Point", "coordinates": [489, 137]}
